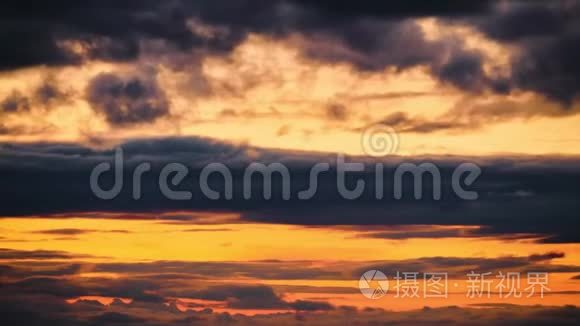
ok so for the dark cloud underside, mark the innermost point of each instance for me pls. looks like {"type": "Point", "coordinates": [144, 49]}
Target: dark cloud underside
{"type": "Point", "coordinates": [370, 36]}
{"type": "Point", "coordinates": [125, 100]}
{"type": "Point", "coordinates": [34, 290]}
{"type": "Point", "coordinates": [515, 197]}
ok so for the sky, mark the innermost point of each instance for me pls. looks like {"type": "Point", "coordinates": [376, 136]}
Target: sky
{"type": "Point", "coordinates": [152, 93]}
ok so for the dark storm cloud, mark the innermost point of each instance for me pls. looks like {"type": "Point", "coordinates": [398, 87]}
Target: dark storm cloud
{"type": "Point", "coordinates": [46, 34]}
{"type": "Point", "coordinates": [465, 70]}
{"type": "Point", "coordinates": [109, 30]}
{"type": "Point", "coordinates": [22, 309]}
{"type": "Point", "coordinates": [372, 45]}
{"type": "Point", "coordinates": [367, 36]}
{"type": "Point", "coordinates": [547, 40]}
{"type": "Point", "coordinates": [412, 8]}
{"type": "Point", "coordinates": [544, 35]}
{"type": "Point", "coordinates": [159, 281]}
{"type": "Point", "coordinates": [125, 100]}
{"type": "Point", "coordinates": [520, 20]}
{"type": "Point", "coordinates": [551, 67]}
{"type": "Point", "coordinates": [27, 297]}
{"type": "Point", "coordinates": [112, 30]}
{"type": "Point", "coordinates": [515, 196]}
{"type": "Point", "coordinates": [45, 311]}
{"type": "Point", "coordinates": [18, 270]}
{"type": "Point", "coordinates": [370, 36]}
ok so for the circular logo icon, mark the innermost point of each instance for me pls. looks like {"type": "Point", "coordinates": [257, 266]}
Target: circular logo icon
{"type": "Point", "coordinates": [379, 141]}
{"type": "Point", "coordinates": [373, 284]}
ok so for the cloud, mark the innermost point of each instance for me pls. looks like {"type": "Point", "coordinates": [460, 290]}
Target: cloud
{"type": "Point", "coordinates": [336, 111]}
{"type": "Point", "coordinates": [269, 270]}
{"type": "Point", "coordinates": [473, 113]}
{"type": "Point", "coordinates": [550, 68]}
{"type": "Point", "coordinates": [519, 21]}
{"type": "Point", "coordinates": [405, 124]}
{"type": "Point", "coordinates": [29, 310]}
{"type": "Point", "coordinates": [127, 99]}
{"type": "Point", "coordinates": [546, 36]}
{"type": "Point", "coordinates": [306, 305]}
{"type": "Point", "coordinates": [37, 254]}
{"type": "Point", "coordinates": [49, 93]}
{"type": "Point", "coordinates": [546, 256]}
{"type": "Point", "coordinates": [15, 103]}
{"type": "Point", "coordinates": [209, 230]}
{"type": "Point", "coordinates": [46, 286]}
{"type": "Point", "coordinates": [155, 292]}
{"type": "Point", "coordinates": [153, 281]}
{"type": "Point", "coordinates": [150, 285]}
{"type": "Point", "coordinates": [243, 297]}
{"type": "Point", "coordinates": [459, 267]}
{"type": "Point", "coordinates": [44, 96]}
{"type": "Point", "coordinates": [48, 35]}
{"type": "Point", "coordinates": [413, 8]}
{"type": "Point", "coordinates": [64, 231]}
{"type": "Point", "coordinates": [283, 131]}
{"type": "Point", "coordinates": [117, 318]}
{"type": "Point", "coordinates": [412, 232]}
{"type": "Point", "coordinates": [370, 37]}
{"type": "Point", "coordinates": [548, 210]}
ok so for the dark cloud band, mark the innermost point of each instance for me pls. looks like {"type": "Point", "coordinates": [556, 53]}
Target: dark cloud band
{"type": "Point", "coordinates": [370, 36]}
{"type": "Point", "coordinates": [515, 197]}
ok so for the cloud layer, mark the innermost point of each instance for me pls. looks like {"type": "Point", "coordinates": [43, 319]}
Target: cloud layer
{"type": "Point", "coordinates": [368, 37]}
{"type": "Point", "coordinates": [514, 196]}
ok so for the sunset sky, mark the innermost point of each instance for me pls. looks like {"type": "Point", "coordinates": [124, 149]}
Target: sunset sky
{"type": "Point", "coordinates": [494, 84]}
